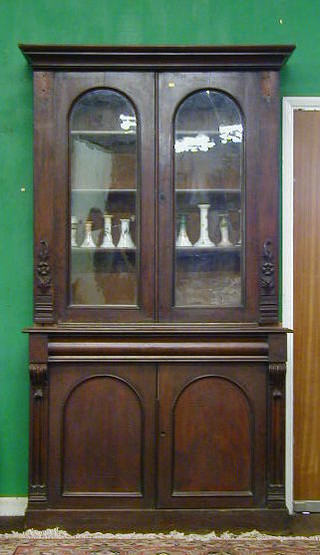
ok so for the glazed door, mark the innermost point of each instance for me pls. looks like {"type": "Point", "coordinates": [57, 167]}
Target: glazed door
{"type": "Point", "coordinates": [102, 429]}
{"type": "Point", "coordinates": [102, 172]}
{"type": "Point", "coordinates": [212, 435]}
{"type": "Point", "coordinates": [208, 201]}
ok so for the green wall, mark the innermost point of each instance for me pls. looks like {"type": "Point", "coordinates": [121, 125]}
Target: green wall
{"type": "Point", "coordinates": [101, 22]}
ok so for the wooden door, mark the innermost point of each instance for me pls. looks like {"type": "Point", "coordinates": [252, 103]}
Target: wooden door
{"type": "Point", "coordinates": [102, 429]}
{"type": "Point", "coordinates": [212, 434]}
{"type": "Point", "coordinates": [306, 305]}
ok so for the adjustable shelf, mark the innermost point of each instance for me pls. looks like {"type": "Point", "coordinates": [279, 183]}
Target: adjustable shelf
{"type": "Point", "coordinates": [113, 191]}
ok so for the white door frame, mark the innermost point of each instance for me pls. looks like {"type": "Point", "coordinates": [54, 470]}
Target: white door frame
{"type": "Point", "coordinates": [290, 104]}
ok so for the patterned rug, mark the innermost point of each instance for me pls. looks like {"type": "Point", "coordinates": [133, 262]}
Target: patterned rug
{"type": "Point", "coordinates": [61, 543]}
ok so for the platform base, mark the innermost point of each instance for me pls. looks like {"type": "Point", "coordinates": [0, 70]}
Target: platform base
{"type": "Point", "coordinates": [164, 520]}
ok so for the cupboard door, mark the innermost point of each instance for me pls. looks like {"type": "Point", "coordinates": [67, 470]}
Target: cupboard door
{"type": "Point", "coordinates": [102, 171]}
{"type": "Point", "coordinates": [102, 430]}
{"type": "Point", "coordinates": [212, 428]}
{"type": "Point", "coordinates": [208, 204]}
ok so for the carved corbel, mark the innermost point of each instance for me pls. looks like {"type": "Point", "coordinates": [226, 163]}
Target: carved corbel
{"type": "Point", "coordinates": [276, 486]}
{"type": "Point", "coordinates": [38, 432]}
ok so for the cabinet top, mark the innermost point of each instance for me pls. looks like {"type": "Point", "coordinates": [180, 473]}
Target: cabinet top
{"type": "Point", "coordinates": [93, 58]}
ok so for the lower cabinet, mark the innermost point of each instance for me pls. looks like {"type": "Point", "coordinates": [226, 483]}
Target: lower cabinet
{"type": "Point", "coordinates": [141, 435]}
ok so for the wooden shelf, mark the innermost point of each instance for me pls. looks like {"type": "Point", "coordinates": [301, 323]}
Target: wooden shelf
{"type": "Point", "coordinates": [211, 191]}
{"type": "Point", "coordinates": [206, 250]}
{"type": "Point", "coordinates": [104, 190]}
{"type": "Point", "coordinates": [187, 191]}
{"type": "Point", "coordinates": [102, 132]}
{"type": "Point", "coordinates": [114, 250]}
{"type": "Point", "coordinates": [202, 132]}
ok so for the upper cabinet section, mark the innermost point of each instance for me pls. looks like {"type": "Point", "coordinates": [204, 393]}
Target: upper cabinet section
{"type": "Point", "coordinates": [94, 196]}
{"type": "Point", "coordinates": [156, 183]}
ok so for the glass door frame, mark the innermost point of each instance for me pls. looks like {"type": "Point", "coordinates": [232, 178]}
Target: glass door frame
{"type": "Point", "coordinates": [173, 89]}
{"type": "Point", "coordinates": [71, 86]}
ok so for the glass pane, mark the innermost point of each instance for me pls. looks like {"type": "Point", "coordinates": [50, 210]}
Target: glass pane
{"type": "Point", "coordinates": [104, 219]}
{"type": "Point", "coordinates": [208, 201]}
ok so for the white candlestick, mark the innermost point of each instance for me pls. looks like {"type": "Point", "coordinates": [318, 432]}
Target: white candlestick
{"type": "Point", "coordinates": [74, 225]}
{"type": "Point", "coordinates": [204, 239]}
{"type": "Point", "coordinates": [224, 230]}
{"type": "Point", "coordinates": [239, 242]}
{"type": "Point", "coordinates": [183, 239]}
{"type": "Point", "coordinates": [88, 240]}
{"type": "Point", "coordinates": [107, 242]}
{"type": "Point", "coordinates": [125, 241]}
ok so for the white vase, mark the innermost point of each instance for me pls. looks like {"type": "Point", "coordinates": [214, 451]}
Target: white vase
{"type": "Point", "coordinates": [224, 230]}
{"type": "Point", "coordinates": [125, 241]}
{"type": "Point", "coordinates": [204, 239]}
{"type": "Point", "coordinates": [74, 226]}
{"type": "Point", "coordinates": [107, 242]}
{"type": "Point", "coordinates": [88, 240]}
{"type": "Point", "coordinates": [183, 239]}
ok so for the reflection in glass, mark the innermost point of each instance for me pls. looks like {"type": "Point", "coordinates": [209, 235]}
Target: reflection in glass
{"type": "Point", "coordinates": [208, 161]}
{"type": "Point", "coordinates": [104, 236]}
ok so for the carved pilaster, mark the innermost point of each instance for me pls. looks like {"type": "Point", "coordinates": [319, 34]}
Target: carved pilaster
{"type": "Point", "coordinates": [38, 432]}
{"type": "Point", "coordinates": [276, 486]}
{"type": "Point", "coordinates": [268, 305]}
{"type": "Point", "coordinates": [43, 276]}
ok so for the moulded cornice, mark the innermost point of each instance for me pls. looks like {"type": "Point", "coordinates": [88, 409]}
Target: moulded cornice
{"type": "Point", "coordinates": [93, 58]}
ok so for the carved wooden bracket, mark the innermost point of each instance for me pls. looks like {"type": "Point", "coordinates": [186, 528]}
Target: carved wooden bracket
{"type": "Point", "coordinates": [276, 487]}
{"type": "Point", "coordinates": [44, 292]}
{"type": "Point", "coordinates": [267, 269]}
{"type": "Point", "coordinates": [43, 269]}
{"type": "Point", "coordinates": [268, 299]}
{"type": "Point", "coordinates": [39, 431]}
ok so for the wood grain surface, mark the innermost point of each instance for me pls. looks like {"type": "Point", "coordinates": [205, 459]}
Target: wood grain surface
{"type": "Point", "coordinates": [306, 305]}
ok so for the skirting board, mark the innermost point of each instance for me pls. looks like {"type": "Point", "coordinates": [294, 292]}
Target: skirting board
{"type": "Point", "coordinates": [306, 506]}
{"type": "Point", "coordinates": [13, 506]}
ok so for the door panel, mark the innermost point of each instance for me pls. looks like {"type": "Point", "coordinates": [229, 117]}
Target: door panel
{"type": "Point", "coordinates": [208, 171]}
{"type": "Point", "coordinates": [102, 435]}
{"type": "Point", "coordinates": [201, 418]}
{"type": "Point", "coordinates": [212, 449]}
{"type": "Point", "coordinates": [306, 304]}
{"type": "Point", "coordinates": [115, 410]}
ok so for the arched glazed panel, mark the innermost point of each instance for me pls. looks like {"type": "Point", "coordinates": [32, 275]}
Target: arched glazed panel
{"type": "Point", "coordinates": [104, 227]}
{"type": "Point", "coordinates": [102, 407]}
{"type": "Point", "coordinates": [213, 442]}
{"type": "Point", "coordinates": [209, 196]}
